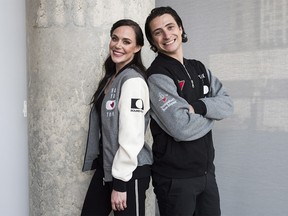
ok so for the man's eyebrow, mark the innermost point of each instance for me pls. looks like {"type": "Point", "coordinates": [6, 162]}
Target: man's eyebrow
{"type": "Point", "coordinates": [168, 24]}
{"type": "Point", "coordinates": [158, 29]}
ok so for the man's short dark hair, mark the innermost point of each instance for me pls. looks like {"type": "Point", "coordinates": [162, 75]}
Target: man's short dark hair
{"type": "Point", "coordinates": [159, 11]}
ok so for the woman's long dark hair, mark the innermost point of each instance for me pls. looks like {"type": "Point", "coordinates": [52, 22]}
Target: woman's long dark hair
{"type": "Point", "coordinates": [109, 65]}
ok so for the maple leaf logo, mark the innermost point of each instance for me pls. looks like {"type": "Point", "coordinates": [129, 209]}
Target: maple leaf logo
{"type": "Point", "coordinates": [181, 84]}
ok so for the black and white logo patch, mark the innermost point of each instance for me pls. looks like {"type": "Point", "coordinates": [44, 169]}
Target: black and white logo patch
{"type": "Point", "coordinates": [137, 105]}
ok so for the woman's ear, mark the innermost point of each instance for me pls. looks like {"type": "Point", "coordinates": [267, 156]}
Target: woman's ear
{"type": "Point", "coordinates": [137, 49]}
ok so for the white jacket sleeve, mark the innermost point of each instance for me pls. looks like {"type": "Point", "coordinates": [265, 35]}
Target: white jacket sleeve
{"type": "Point", "coordinates": [133, 105]}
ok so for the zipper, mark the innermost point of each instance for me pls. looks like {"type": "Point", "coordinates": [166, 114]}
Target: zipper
{"type": "Point", "coordinates": [192, 83]}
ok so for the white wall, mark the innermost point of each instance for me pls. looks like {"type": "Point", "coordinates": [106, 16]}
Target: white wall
{"type": "Point", "coordinates": [13, 124]}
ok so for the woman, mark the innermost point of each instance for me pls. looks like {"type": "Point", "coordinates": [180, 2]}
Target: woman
{"type": "Point", "coordinates": [118, 120]}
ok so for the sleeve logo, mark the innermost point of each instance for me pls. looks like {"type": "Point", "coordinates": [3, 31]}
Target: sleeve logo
{"type": "Point", "coordinates": [162, 97]}
{"type": "Point", "coordinates": [110, 104]}
{"type": "Point", "coordinates": [166, 102]}
{"type": "Point", "coordinates": [137, 105]}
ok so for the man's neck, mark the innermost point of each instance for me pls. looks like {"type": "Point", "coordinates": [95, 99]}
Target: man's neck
{"type": "Point", "coordinates": [177, 55]}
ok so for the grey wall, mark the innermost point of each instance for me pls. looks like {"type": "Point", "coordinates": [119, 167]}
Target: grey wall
{"type": "Point", "coordinates": [245, 44]}
{"type": "Point", "coordinates": [13, 124]}
{"type": "Point", "coordinates": [67, 45]}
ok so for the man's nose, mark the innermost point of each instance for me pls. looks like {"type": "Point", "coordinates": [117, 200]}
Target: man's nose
{"type": "Point", "coordinates": [166, 34]}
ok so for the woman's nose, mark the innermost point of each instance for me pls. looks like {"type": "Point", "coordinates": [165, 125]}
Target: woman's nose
{"type": "Point", "coordinates": [118, 44]}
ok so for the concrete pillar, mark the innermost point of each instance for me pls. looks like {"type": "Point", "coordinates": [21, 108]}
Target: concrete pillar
{"type": "Point", "coordinates": [67, 44]}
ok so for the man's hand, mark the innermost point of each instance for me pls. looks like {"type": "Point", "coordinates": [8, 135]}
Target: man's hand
{"type": "Point", "coordinates": [191, 109]}
{"type": "Point", "coordinates": [118, 200]}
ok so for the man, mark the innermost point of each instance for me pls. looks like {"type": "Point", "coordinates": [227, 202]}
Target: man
{"type": "Point", "coordinates": [186, 99]}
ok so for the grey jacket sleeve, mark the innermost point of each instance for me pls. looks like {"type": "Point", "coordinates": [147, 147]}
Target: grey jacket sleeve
{"type": "Point", "coordinates": [171, 111]}
{"type": "Point", "coordinates": [219, 105]}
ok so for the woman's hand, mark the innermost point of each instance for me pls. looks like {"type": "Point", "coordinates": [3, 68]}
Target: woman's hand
{"type": "Point", "coordinates": [118, 200]}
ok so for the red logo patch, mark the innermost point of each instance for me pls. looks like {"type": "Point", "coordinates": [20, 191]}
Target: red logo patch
{"type": "Point", "coordinates": [162, 98]}
{"type": "Point", "coordinates": [110, 104]}
{"type": "Point", "coordinates": [181, 84]}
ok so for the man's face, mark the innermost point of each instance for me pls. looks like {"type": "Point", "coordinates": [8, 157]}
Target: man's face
{"type": "Point", "coordinates": [166, 35]}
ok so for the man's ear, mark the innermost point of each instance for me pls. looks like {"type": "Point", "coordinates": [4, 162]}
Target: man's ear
{"type": "Point", "coordinates": [181, 29]}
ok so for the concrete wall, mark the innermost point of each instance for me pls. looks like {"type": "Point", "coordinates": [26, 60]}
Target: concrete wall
{"type": "Point", "coordinates": [67, 44]}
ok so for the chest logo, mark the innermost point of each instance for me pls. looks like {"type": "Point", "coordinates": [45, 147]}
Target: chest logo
{"type": "Point", "coordinates": [110, 104]}
{"type": "Point", "coordinates": [205, 89]}
{"type": "Point", "coordinates": [181, 84]}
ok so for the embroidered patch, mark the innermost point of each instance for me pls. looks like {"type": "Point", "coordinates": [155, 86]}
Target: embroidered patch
{"type": "Point", "coordinates": [113, 93]}
{"type": "Point", "coordinates": [137, 105]}
{"type": "Point", "coordinates": [201, 76]}
{"type": "Point", "coordinates": [166, 103]}
{"type": "Point", "coordinates": [181, 84]}
{"type": "Point", "coordinates": [162, 97]}
{"type": "Point", "coordinates": [205, 89]}
{"type": "Point", "coordinates": [110, 104]}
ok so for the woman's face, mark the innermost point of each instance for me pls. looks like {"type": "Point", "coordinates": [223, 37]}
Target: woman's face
{"type": "Point", "coordinates": [123, 46]}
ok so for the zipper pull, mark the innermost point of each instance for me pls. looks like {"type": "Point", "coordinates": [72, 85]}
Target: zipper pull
{"type": "Point", "coordinates": [192, 83]}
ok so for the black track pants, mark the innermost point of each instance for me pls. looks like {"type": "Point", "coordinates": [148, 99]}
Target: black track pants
{"type": "Point", "coordinates": [197, 196]}
{"type": "Point", "coordinates": [98, 198]}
